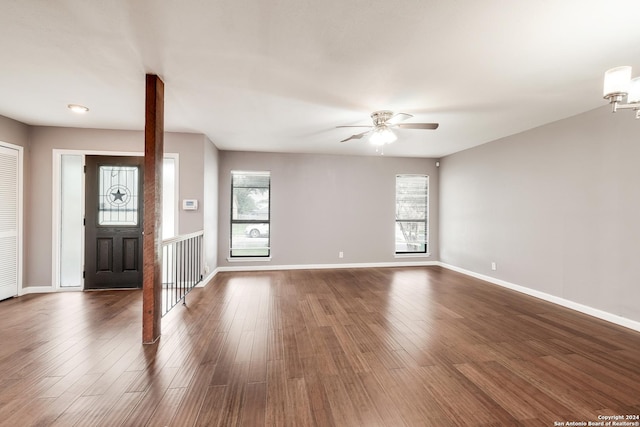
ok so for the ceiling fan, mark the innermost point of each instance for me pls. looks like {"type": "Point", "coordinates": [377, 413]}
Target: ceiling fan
{"type": "Point", "coordinates": [383, 122]}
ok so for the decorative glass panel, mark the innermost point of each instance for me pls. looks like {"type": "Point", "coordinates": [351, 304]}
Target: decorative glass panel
{"type": "Point", "coordinates": [118, 188]}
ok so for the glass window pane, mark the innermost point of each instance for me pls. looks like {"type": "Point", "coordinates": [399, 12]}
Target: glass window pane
{"type": "Point", "coordinates": [118, 188]}
{"type": "Point", "coordinates": [410, 236]}
{"type": "Point", "coordinates": [251, 203]}
{"type": "Point", "coordinates": [168, 197]}
{"type": "Point", "coordinates": [250, 198]}
{"type": "Point", "coordinates": [250, 239]}
{"type": "Point", "coordinates": [71, 214]}
{"type": "Point", "coordinates": [411, 197]}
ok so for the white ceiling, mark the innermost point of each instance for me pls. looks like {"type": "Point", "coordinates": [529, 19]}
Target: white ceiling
{"type": "Point", "coordinates": [279, 75]}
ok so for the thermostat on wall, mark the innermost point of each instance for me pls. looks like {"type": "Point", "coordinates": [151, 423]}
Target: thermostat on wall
{"type": "Point", "coordinates": [189, 205]}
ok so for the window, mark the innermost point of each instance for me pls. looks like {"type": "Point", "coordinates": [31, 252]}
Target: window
{"type": "Point", "coordinates": [412, 207]}
{"type": "Point", "coordinates": [250, 212]}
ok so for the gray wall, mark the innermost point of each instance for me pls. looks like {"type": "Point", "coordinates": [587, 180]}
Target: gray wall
{"type": "Point", "coordinates": [18, 133]}
{"type": "Point", "coordinates": [14, 132]}
{"type": "Point", "coordinates": [323, 204]}
{"type": "Point", "coordinates": [39, 192]}
{"type": "Point", "coordinates": [557, 208]}
{"type": "Point", "coordinates": [210, 208]}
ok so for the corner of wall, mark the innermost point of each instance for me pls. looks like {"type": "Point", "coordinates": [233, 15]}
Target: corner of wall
{"type": "Point", "coordinates": [210, 202]}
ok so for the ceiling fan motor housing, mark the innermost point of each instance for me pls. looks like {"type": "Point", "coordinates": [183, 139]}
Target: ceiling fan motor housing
{"type": "Point", "coordinates": [381, 117]}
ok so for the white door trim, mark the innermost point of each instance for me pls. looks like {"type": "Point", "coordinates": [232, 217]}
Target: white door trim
{"type": "Point", "coordinates": [57, 220]}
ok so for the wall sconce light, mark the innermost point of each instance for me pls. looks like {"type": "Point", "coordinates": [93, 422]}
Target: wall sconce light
{"type": "Point", "coordinates": [618, 84]}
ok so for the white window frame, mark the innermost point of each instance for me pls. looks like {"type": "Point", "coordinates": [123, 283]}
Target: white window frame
{"type": "Point", "coordinates": [235, 258]}
{"type": "Point", "coordinates": [427, 245]}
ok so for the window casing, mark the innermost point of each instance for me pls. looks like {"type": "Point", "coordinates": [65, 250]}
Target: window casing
{"type": "Point", "coordinates": [412, 214]}
{"type": "Point", "coordinates": [250, 214]}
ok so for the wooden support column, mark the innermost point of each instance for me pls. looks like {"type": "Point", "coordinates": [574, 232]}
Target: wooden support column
{"type": "Point", "coordinates": [152, 225]}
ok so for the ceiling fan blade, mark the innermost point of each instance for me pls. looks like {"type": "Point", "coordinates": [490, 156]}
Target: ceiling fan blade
{"type": "Point", "coordinates": [355, 126]}
{"type": "Point", "coordinates": [418, 125]}
{"type": "Point", "coordinates": [399, 117]}
{"type": "Point", "coordinates": [356, 136]}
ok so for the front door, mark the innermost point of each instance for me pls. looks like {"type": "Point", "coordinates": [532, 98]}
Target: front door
{"type": "Point", "coordinates": [113, 223]}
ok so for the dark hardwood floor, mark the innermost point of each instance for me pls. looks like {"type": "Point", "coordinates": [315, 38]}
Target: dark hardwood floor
{"type": "Point", "coordinates": [354, 347]}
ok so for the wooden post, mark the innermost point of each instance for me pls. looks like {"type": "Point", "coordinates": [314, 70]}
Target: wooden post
{"type": "Point", "coordinates": [152, 225]}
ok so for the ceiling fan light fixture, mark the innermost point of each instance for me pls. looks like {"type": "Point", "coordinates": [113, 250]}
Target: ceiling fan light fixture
{"type": "Point", "coordinates": [384, 121]}
{"type": "Point", "coordinates": [382, 135]}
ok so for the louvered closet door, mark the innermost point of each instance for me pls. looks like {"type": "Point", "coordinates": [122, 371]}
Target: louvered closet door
{"type": "Point", "coordinates": [8, 222]}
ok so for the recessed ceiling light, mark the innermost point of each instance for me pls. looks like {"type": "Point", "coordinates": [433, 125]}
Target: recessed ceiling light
{"type": "Point", "coordinates": [76, 108]}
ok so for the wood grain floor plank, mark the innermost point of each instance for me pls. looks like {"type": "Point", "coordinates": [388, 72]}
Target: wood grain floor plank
{"type": "Point", "coordinates": [119, 413]}
{"type": "Point", "coordinates": [235, 396]}
{"type": "Point", "coordinates": [276, 393]}
{"type": "Point", "coordinates": [555, 384]}
{"type": "Point", "coordinates": [196, 390]}
{"type": "Point", "coordinates": [167, 407]}
{"type": "Point", "coordinates": [318, 401]}
{"type": "Point", "coordinates": [412, 346]}
{"type": "Point", "coordinates": [45, 411]}
{"type": "Point", "coordinates": [80, 412]}
{"type": "Point", "coordinates": [505, 388]}
{"type": "Point", "coordinates": [213, 407]}
{"type": "Point", "coordinates": [258, 359]}
{"type": "Point", "coordinates": [253, 408]}
{"type": "Point", "coordinates": [389, 413]}
{"type": "Point", "coordinates": [298, 409]}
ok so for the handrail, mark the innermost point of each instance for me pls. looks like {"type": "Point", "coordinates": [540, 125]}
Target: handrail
{"type": "Point", "coordinates": [182, 261]}
{"type": "Point", "coordinates": [171, 240]}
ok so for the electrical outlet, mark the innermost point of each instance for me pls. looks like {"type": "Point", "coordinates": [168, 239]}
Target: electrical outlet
{"type": "Point", "coordinates": [494, 267]}
{"type": "Point", "coordinates": [340, 254]}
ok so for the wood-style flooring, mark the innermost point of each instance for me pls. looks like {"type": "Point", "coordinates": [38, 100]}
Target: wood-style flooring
{"type": "Point", "coordinates": [352, 347]}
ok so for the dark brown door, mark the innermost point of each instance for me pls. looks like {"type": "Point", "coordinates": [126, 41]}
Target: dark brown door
{"type": "Point", "coordinates": [113, 223]}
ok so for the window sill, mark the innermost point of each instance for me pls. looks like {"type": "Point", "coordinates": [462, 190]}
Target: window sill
{"type": "Point", "coordinates": [249, 259]}
{"type": "Point", "coordinates": [416, 255]}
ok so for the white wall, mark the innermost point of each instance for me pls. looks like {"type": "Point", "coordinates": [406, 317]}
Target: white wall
{"type": "Point", "coordinates": [557, 208]}
{"type": "Point", "coordinates": [323, 204]}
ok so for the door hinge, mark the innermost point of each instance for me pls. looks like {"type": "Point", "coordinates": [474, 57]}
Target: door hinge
{"type": "Point", "coordinates": [85, 168]}
{"type": "Point", "coordinates": [84, 221]}
{"type": "Point", "coordinates": [84, 274]}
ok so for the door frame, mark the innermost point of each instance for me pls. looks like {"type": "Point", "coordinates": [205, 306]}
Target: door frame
{"type": "Point", "coordinates": [56, 205]}
{"type": "Point", "coordinates": [20, 248]}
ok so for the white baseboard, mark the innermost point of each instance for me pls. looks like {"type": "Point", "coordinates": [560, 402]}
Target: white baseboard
{"type": "Point", "coordinates": [609, 317]}
{"type": "Point", "coordinates": [326, 266]}
{"type": "Point", "coordinates": [205, 281]}
{"type": "Point", "coordinates": [36, 290]}
{"type": "Point", "coordinates": [600, 314]}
